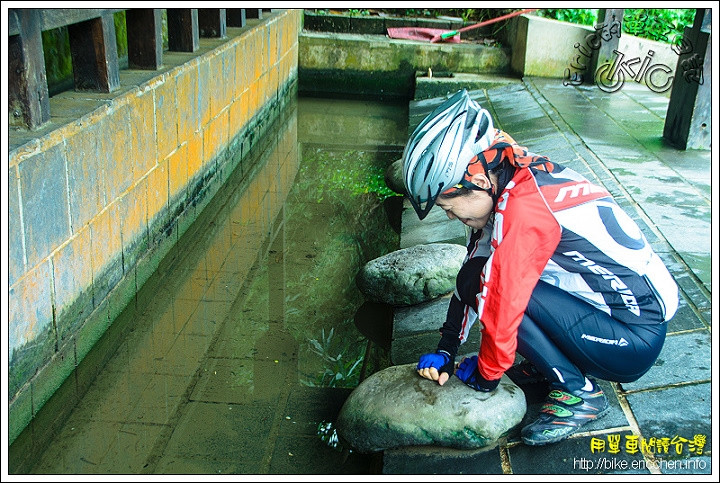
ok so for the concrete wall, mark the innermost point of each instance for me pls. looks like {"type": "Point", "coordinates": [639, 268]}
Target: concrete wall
{"type": "Point", "coordinates": [546, 48]}
{"type": "Point", "coordinates": [97, 199]}
{"type": "Point", "coordinates": [340, 62]}
{"type": "Point", "coordinates": [371, 64]}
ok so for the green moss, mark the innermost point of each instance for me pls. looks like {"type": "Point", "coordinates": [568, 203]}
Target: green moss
{"type": "Point", "coordinates": [58, 61]}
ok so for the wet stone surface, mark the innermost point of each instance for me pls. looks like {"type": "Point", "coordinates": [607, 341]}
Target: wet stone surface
{"type": "Point", "coordinates": [412, 275]}
{"type": "Point", "coordinates": [396, 407]}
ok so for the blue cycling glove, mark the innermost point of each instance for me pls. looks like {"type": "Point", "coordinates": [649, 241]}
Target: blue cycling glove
{"type": "Point", "coordinates": [440, 360]}
{"type": "Point", "coordinates": [468, 373]}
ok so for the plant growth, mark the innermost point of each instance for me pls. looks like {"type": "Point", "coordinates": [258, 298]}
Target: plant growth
{"type": "Point", "coordinates": [366, 177]}
{"type": "Point", "coordinates": [343, 360]}
{"type": "Point", "coordinates": [339, 193]}
{"type": "Point", "coordinates": [659, 24]}
{"type": "Point", "coordinates": [580, 16]}
{"type": "Point", "coordinates": [58, 59]}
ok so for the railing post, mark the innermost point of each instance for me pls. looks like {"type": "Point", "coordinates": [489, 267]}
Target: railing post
{"type": "Point", "coordinates": [28, 98]}
{"type": "Point", "coordinates": [611, 21]}
{"type": "Point", "coordinates": [144, 36]}
{"type": "Point", "coordinates": [183, 29]}
{"type": "Point", "coordinates": [689, 115]}
{"type": "Point", "coordinates": [235, 17]}
{"type": "Point", "coordinates": [212, 22]}
{"type": "Point", "coordinates": [253, 12]}
{"type": "Point", "coordinates": [94, 54]}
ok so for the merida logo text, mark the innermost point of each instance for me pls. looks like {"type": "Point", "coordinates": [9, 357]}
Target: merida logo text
{"type": "Point", "coordinates": [618, 285]}
{"type": "Point", "coordinates": [618, 342]}
{"type": "Point", "coordinates": [576, 190]}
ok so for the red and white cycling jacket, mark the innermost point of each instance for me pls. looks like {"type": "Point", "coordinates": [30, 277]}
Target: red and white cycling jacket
{"type": "Point", "coordinates": [556, 226]}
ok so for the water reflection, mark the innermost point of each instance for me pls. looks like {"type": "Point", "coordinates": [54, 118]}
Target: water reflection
{"type": "Point", "coordinates": [244, 342]}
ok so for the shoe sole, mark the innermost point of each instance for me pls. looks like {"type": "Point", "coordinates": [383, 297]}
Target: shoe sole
{"type": "Point", "coordinates": [562, 438]}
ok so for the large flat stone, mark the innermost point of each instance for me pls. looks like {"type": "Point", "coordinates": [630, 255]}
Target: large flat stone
{"type": "Point", "coordinates": [691, 407]}
{"type": "Point", "coordinates": [396, 407]}
{"type": "Point", "coordinates": [435, 228]}
{"type": "Point", "coordinates": [411, 275]}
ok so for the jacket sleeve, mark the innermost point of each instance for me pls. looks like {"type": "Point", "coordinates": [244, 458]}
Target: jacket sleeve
{"type": "Point", "coordinates": [525, 236]}
{"type": "Point", "coordinates": [462, 311]}
{"type": "Point", "coordinates": [450, 332]}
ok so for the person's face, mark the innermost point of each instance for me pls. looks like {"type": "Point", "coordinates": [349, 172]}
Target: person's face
{"type": "Point", "coordinates": [473, 209]}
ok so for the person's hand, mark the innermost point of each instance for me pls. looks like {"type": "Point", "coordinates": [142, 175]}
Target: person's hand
{"type": "Point", "coordinates": [437, 366]}
{"type": "Point", "coordinates": [467, 372]}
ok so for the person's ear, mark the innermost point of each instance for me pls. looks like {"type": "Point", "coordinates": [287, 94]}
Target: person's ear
{"type": "Point", "coordinates": [481, 180]}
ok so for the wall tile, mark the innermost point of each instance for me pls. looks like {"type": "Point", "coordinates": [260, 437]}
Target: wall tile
{"type": "Point", "coordinates": [72, 271]}
{"type": "Point", "coordinates": [141, 124]}
{"type": "Point", "coordinates": [177, 163]}
{"type": "Point", "coordinates": [16, 251]}
{"type": "Point", "coordinates": [44, 203]}
{"type": "Point", "coordinates": [117, 150]}
{"type": "Point", "coordinates": [188, 101]}
{"type": "Point", "coordinates": [85, 174]}
{"type": "Point", "coordinates": [106, 239]}
{"type": "Point", "coordinates": [29, 309]}
{"type": "Point", "coordinates": [157, 190]}
{"type": "Point", "coordinates": [166, 116]}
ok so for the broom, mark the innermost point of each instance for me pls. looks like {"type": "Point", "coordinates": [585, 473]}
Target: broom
{"type": "Point", "coordinates": [437, 35]}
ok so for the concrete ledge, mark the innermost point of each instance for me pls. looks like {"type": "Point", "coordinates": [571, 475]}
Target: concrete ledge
{"type": "Point", "coordinates": [435, 228]}
{"type": "Point", "coordinates": [376, 25]}
{"type": "Point", "coordinates": [432, 85]}
{"type": "Point", "coordinates": [335, 63]}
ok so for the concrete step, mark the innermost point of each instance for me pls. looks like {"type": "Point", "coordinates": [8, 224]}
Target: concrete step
{"type": "Point", "coordinates": [431, 84]}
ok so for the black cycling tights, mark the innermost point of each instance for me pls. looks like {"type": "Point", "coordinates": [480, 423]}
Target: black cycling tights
{"type": "Point", "coordinates": [566, 338]}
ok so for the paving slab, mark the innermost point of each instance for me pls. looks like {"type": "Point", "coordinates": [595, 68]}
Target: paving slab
{"type": "Point", "coordinates": [684, 358]}
{"type": "Point", "coordinates": [434, 460]}
{"type": "Point", "coordinates": [584, 455]}
{"type": "Point", "coordinates": [675, 422]}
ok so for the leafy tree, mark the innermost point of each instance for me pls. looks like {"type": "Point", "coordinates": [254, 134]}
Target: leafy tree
{"type": "Point", "coordinates": [580, 16]}
{"type": "Point", "coordinates": [660, 24]}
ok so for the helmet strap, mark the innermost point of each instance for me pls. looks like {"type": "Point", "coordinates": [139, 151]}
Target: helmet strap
{"type": "Point", "coordinates": [472, 186]}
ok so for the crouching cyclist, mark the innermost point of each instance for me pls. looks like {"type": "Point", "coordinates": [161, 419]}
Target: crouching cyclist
{"type": "Point", "coordinates": [555, 270]}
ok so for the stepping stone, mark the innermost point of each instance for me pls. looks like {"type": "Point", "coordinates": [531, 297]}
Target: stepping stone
{"type": "Point", "coordinates": [396, 407]}
{"type": "Point", "coordinates": [412, 275]}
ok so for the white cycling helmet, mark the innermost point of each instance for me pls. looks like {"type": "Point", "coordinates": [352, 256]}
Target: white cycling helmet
{"type": "Point", "coordinates": [441, 147]}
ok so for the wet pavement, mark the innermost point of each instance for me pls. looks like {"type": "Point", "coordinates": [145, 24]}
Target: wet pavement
{"type": "Point", "coordinates": [661, 423]}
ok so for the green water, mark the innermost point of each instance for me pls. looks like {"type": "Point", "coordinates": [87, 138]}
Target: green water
{"type": "Point", "coordinates": [244, 345]}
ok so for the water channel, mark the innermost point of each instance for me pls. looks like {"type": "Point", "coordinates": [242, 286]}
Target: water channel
{"type": "Point", "coordinates": [242, 347]}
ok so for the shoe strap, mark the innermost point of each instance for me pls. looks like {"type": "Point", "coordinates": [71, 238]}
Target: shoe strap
{"type": "Point", "coordinates": [556, 410]}
{"type": "Point", "coordinates": [564, 398]}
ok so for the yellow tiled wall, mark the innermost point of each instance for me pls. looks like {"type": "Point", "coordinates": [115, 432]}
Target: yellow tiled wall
{"type": "Point", "coordinates": [96, 203]}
